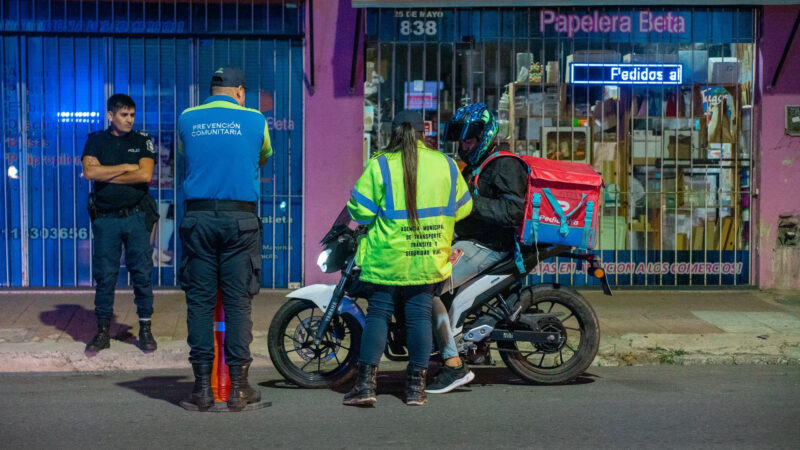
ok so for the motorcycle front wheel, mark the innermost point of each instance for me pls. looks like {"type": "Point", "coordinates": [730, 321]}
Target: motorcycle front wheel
{"type": "Point", "coordinates": [561, 362]}
{"type": "Point", "coordinates": [292, 350]}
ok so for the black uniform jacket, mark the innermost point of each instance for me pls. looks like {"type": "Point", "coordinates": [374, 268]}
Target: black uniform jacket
{"type": "Point", "coordinates": [498, 207]}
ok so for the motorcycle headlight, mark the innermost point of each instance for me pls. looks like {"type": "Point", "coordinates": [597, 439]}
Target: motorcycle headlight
{"type": "Point", "coordinates": [322, 259]}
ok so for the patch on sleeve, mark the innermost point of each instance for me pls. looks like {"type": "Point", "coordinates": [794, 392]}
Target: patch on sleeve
{"type": "Point", "coordinates": [150, 147]}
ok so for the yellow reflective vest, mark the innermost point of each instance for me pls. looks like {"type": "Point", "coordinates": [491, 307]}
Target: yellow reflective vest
{"type": "Point", "coordinates": [393, 252]}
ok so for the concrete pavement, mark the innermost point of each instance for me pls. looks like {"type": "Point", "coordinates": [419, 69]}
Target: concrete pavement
{"type": "Point", "coordinates": [46, 331]}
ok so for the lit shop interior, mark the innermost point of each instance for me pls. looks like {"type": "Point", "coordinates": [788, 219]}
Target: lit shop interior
{"type": "Point", "coordinates": [659, 101]}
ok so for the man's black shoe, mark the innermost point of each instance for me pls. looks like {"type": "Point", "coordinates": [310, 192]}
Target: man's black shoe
{"type": "Point", "coordinates": [146, 340]}
{"type": "Point", "coordinates": [202, 395]}
{"type": "Point", "coordinates": [450, 378]}
{"type": "Point", "coordinates": [101, 340]}
{"type": "Point", "coordinates": [241, 393]}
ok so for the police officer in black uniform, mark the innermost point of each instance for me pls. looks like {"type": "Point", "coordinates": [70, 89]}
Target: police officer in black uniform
{"type": "Point", "coordinates": [223, 144]}
{"type": "Point", "coordinates": [120, 162]}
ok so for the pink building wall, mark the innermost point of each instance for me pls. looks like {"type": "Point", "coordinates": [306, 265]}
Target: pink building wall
{"type": "Point", "coordinates": [778, 160]}
{"type": "Point", "coordinates": [333, 126]}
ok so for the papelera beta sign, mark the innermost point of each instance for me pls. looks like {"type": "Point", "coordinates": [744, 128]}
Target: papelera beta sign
{"type": "Point", "coordinates": [601, 22]}
{"type": "Point", "coordinates": [608, 73]}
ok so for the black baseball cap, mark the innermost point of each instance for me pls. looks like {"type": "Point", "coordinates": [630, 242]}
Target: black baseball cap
{"type": "Point", "coordinates": [412, 117]}
{"type": "Point", "coordinates": [228, 76]}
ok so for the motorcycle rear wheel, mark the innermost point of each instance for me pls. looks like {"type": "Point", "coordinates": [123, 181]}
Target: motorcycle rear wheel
{"type": "Point", "coordinates": [548, 363]}
{"type": "Point", "coordinates": [292, 350]}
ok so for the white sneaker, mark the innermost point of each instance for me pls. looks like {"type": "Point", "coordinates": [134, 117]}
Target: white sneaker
{"type": "Point", "coordinates": [450, 378]}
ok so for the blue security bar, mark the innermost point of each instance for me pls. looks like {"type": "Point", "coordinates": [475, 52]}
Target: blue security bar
{"type": "Point", "coordinates": [597, 73]}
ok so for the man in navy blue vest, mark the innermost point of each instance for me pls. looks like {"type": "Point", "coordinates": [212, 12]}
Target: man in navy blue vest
{"type": "Point", "coordinates": [120, 162]}
{"type": "Point", "coordinates": [224, 144]}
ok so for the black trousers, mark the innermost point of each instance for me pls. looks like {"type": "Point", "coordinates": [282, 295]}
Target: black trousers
{"type": "Point", "coordinates": [221, 250]}
{"type": "Point", "coordinates": [110, 235]}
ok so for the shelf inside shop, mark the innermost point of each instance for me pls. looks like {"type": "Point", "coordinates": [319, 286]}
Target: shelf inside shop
{"type": "Point", "coordinates": [535, 83]}
{"type": "Point", "coordinates": [730, 163]}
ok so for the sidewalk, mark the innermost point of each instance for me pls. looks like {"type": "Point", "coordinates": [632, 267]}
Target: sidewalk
{"type": "Point", "coordinates": [47, 331]}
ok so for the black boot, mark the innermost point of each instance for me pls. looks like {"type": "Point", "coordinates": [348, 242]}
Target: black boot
{"type": "Point", "coordinates": [202, 395]}
{"type": "Point", "coordinates": [100, 340]}
{"type": "Point", "coordinates": [415, 387]}
{"type": "Point", "coordinates": [146, 340]}
{"type": "Point", "coordinates": [363, 393]}
{"type": "Point", "coordinates": [241, 392]}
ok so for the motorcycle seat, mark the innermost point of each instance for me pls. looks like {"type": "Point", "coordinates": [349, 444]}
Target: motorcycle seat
{"type": "Point", "coordinates": [531, 257]}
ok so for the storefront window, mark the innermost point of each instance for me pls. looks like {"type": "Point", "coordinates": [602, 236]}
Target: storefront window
{"type": "Point", "coordinates": [658, 101]}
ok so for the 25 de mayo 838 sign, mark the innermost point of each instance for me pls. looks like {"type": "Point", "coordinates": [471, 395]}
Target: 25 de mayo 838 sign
{"type": "Point", "coordinates": [602, 73]}
{"type": "Point", "coordinates": [418, 23]}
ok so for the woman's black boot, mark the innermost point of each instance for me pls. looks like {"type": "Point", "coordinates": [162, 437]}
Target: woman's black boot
{"type": "Point", "coordinates": [415, 387]}
{"type": "Point", "coordinates": [363, 393]}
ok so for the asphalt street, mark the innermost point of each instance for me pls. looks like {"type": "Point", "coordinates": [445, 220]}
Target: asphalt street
{"type": "Point", "coordinates": [610, 407]}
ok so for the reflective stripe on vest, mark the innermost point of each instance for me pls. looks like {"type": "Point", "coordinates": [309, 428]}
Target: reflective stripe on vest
{"type": "Point", "coordinates": [402, 214]}
{"type": "Point", "coordinates": [364, 201]}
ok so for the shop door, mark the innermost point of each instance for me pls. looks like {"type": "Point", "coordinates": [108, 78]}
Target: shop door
{"type": "Point", "coordinates": [53, 95]}
{"type": "Point", "coordinates": [676, 157]}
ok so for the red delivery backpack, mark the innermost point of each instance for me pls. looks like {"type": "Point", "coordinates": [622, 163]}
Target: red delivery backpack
{"type": "Point", "coordinates": [562, 202]}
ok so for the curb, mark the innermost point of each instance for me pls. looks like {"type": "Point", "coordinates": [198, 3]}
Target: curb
{"type": "Point", "coordinates": [121, 357]}
{"type": "Point", "coordinates": [696, 349]}
{"type": "Point", "coordinates": [626, 350]}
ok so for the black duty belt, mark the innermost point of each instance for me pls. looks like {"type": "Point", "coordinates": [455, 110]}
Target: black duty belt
{"type": "Point", "coordinates": [122, 212]}
{"type": "Point", "coordinates": [220, 205]}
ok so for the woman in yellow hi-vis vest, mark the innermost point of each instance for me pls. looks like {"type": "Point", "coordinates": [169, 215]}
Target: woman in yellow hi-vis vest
{"type": "Point", "coordinates": [410, 197]}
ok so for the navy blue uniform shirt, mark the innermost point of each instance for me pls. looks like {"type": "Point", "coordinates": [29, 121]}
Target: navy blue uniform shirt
{"type": "Point", "coordinates": [223, 143]}
{"type": "Point", "coordinates": [112, 150]}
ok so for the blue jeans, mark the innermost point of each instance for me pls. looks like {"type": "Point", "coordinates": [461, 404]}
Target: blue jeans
{"type": "Point", "coordinates": [474, 260]}
{"type": "Point", "coordinates": [416, 301]}
{"type": "Point", "coordinates": [110, 234]}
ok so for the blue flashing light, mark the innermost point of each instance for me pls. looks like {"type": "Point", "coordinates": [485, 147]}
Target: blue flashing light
{"type": "Point", "coordinates": [78, 117]}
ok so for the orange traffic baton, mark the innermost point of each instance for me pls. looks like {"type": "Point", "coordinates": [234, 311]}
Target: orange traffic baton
{"type": "Point", "coordinates": [220, 381]}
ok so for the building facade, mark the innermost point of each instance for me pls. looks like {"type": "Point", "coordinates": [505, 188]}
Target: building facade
{"type": "Point", "coordinates": [698, 166]}
{"type": "Point", "coordinates": [680, 107]}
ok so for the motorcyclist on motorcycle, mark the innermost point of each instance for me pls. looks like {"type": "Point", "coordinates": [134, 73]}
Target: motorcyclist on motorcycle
{"type": "Point", "coordinates": [546, 333]}
{"type": "Point", "coordinates": [486, 236]}
{"type": "Point", "coordinates": [404, 254]}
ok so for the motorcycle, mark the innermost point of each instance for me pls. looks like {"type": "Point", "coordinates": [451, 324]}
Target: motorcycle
{"type": "Point", "coordinates": [545, 333]}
